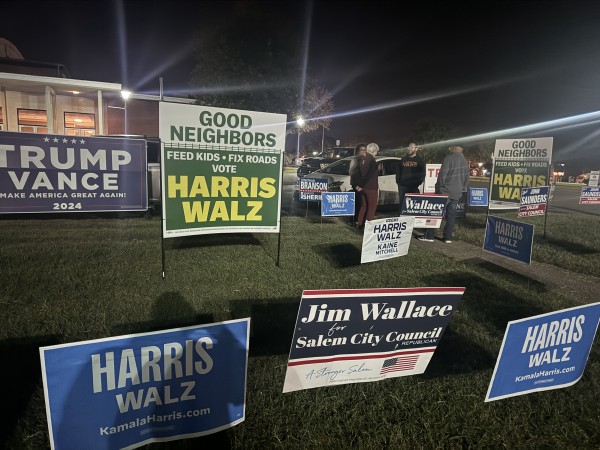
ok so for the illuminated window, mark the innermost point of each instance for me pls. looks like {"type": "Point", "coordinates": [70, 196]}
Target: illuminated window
{"type": "Point", "coordinates": [32, 120]}
{"type": "Point", "coordinates": [80, 124]}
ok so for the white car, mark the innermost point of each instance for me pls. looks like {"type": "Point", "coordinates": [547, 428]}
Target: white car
{"type": "Point", "coordinates": [337, 175]}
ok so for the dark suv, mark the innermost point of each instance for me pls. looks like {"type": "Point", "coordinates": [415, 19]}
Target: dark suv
{"type": "Point", "coordinates": [322, 160]}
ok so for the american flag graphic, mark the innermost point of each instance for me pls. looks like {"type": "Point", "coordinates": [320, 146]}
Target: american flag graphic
{"type": "Point", "coordinates": [399, 364]}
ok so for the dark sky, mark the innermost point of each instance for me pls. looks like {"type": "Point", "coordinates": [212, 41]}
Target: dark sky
{"type": "Point", "coordinates": [479, 68]}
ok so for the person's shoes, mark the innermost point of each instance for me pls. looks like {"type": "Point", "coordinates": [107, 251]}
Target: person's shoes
{"type": "Point", "coordinates": [446, 241]}
{"type": "Point", "coordinates": [425, 239]}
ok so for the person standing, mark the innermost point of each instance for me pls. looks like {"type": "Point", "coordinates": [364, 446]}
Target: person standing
{"type": "Point", "coordinates": [411, 173]}
{"type": "Point", "coordinates": [453, 180]}
{"type": "Point", "coordinates": [368, 185]}
{"type": "Point", "coordinates": [359, 153]}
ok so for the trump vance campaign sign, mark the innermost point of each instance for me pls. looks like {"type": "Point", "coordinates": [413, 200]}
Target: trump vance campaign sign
{"type": "Point", "coordinates": [128, 391]}
{"type": "Point", "coordinates": [221, 170]}
{"type": "Point", "coordinates": [548, 351]}
{"type": "Point", "coordinates": [361, 335]}
{"type": "Point", "coordinates": [45, 173]}
{"type": "Point", "coordinates": [518, 163]}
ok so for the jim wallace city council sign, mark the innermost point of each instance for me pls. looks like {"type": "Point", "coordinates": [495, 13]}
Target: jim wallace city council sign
{"type": "Point", "coordinates": [361, 335]}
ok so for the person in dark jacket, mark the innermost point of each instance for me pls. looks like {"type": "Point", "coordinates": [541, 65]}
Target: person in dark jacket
{"type": "Point", "coordinates": [368, 185]}
{"type": "Point", "coordinates": [359, 153]}
{"type": "Point", "coordinates": [453, 180]}
{"type": "Point", "coordinates": [411, 173]}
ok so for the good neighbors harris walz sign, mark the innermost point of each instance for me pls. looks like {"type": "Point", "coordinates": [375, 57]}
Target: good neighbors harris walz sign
{"type": "Point", "coordinates": [42, 173]}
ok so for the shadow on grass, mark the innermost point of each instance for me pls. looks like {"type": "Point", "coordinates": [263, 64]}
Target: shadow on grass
{"type": "Point", "coordinates": [339, 256]}
{"type": "Point", "coordinates": [568, 246]}
{"type": "Point", "coordinates": [211, 240]}
{"type": "Point", "coordinates": [508, 274]}
{"type": "Point", "coordinates": [170, 310]}
{"type": "Point", "coordinates": [19, 378]}
{"type": "Point", "coordinates": [487, 303]}
{"type": "Point", "coordinates": [272, 325]}
{"type": "Point", "coordinates": [458, 354]}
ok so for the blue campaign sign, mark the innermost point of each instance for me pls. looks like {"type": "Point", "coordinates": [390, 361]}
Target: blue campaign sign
{"type": "Point", "coordinates": [312, 188]}
{"type": "Point", "coordinates": [424, 205]}
{"type": "Point", "coordinates": [478, 197]}
{"type": "Point", "coordinates": [461, 207]}
{"type": "Point", "coordinates": [45, 173]}
{"type": "Point", "coordinates": [363, 335]}
{"type": "Point", "coordinates": [544, 352]}
{"type": "Point", "coordinates": [125, 392]}
{"type": "Point", "coordinates": [337, 204]}
{"type": "Point", "coordinates": [590, 196]}
{"type": "Point", "coordinates": [509, 238]}
{"type": "Point", "coordinates": [533, 201]}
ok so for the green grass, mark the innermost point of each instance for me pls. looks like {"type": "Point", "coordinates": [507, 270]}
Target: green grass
{"type": "Point", "coordinates": [571, 241]}
{"type": "Point", "coordinates": [70, 280]}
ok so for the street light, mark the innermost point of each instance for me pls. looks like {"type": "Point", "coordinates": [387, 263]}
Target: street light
{"type": "Point", "coordinates": [125, 94]}
{"type": "Point", "coordinates": [300, 122]}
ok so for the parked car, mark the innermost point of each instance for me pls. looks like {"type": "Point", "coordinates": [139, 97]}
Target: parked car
{"type": "Point", "coordinates": [323, 159]}
{"type": "Point", "coordinates": [337, 175]}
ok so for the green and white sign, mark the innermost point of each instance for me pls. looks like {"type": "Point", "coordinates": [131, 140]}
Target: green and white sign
{"type": "Point", "coordinates": [518, 163]}
{"type": "Point", "coordinates": [221, 174]}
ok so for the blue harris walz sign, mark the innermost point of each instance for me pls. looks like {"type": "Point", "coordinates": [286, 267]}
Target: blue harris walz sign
{"type": "Point", "coordinates": [124, 392]}
{"type": "Point", "coordinates": [337, 204]}
{"type": "Point", "coordinates": [548, 351]}
{"type": "Point", "coordinates": [42, 173]}
{"type": "Point", "coordinates": [509, 238]}
{"type": "Point", "coordinates": [478, 197]}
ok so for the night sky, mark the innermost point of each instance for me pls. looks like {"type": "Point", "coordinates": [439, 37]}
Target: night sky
{"type": "Point", "coordinates": [390, 65]}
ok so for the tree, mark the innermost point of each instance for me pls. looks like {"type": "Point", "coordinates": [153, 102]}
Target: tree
{"type": "Point", "coordinates": [253, 61]}
{"type": "Point", "coordinates": [431, 135]}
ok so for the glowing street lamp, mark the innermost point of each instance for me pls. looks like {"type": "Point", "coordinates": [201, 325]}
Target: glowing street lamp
{"type": "Point", "coordinates": [125, 94]}
{"type": "Point", "coordinates": [300, 122]}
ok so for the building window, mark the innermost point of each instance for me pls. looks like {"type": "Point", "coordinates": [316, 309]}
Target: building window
{"type": "Point", "coordinates": [32, 120]}
{"type": "Point", "coordinates": [1, 119]}
{"type": "Point", "coordinates": [80, 124]}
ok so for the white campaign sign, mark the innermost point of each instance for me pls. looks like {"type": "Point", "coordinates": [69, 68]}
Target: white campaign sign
{"type": "Point", "coordinates": [386, 238]}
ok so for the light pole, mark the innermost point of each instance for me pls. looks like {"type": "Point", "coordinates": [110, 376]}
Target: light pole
{"type": "Point", "coordinates": [300, 122]}
{"type": "Point", "coordinates": [125, 94]}
{"type": "Point", "coordinates": [323, 139]}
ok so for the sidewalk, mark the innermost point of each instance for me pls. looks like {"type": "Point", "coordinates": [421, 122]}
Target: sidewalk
{"type": "Point", "coordinates": [554, 278]}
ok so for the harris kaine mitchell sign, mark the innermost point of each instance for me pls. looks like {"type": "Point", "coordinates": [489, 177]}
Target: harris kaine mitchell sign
{"type": "Point", "coordinates": [221, 169]}
{"type": "Point", "coordinates": [42, 173]}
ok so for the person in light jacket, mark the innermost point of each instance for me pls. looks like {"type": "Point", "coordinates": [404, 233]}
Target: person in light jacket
{"type": "Point", "coordinates": [453, 180]}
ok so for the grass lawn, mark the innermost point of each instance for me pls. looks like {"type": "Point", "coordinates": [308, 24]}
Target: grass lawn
{"type": "Point", "coordinates": [70, 280]}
